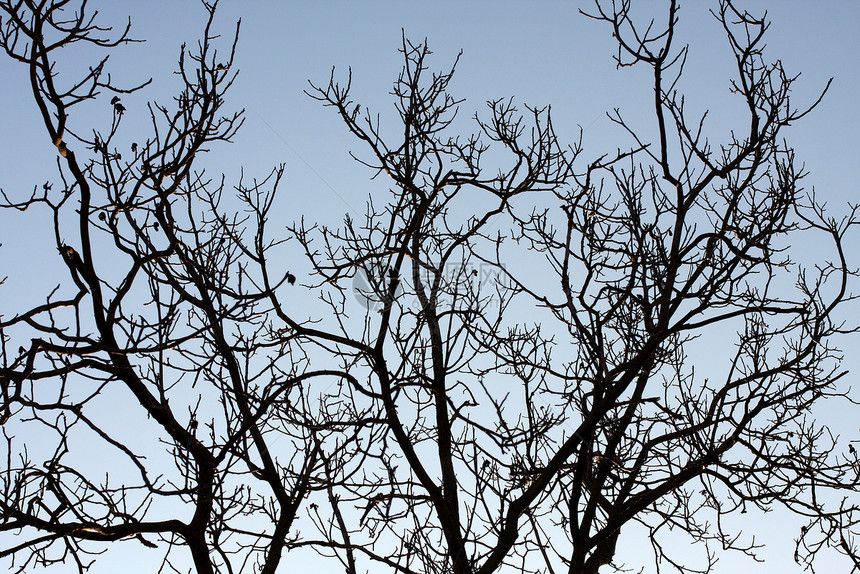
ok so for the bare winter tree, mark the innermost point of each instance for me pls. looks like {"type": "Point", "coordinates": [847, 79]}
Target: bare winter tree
{"type": "Point", "coordinates": [148, 386]}
{"type": "Point", "coordinates": [660, 257]}
{"type": "Point", "coordinates": [501, 453]}
{"type": "Point", "coordinates": [479, 413]}
{"type": "Point", "coordinates": [434, 485]}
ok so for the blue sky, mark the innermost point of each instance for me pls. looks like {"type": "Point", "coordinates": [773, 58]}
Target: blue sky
{"type": "Point", "coordinates": [538, 52]}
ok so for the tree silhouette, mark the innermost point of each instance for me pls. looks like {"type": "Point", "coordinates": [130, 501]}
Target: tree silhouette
{"type": "Point", "coordinates": [505, 371]}
{"type": "Point", "coordinates": [161, 321]}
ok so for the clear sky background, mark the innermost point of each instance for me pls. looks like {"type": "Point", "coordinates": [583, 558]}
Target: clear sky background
{"type": "Point", "coordinates": [537, 52]}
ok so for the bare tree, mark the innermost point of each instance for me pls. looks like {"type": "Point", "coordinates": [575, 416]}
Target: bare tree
{"type": "Point", "coordinates": [501, 451]}
{"type": "Point", "coordinates": [478, 413]}
{"type": "Point", "coordinates": [159, 318]}
{"type": "Point", "coordinates": [433, 485]}
{"type": "Point", "coordinates": [663, 254]}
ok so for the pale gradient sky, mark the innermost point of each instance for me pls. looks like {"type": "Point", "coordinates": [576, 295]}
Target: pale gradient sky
{"type": "Point", "coordinates": [538, 52]}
